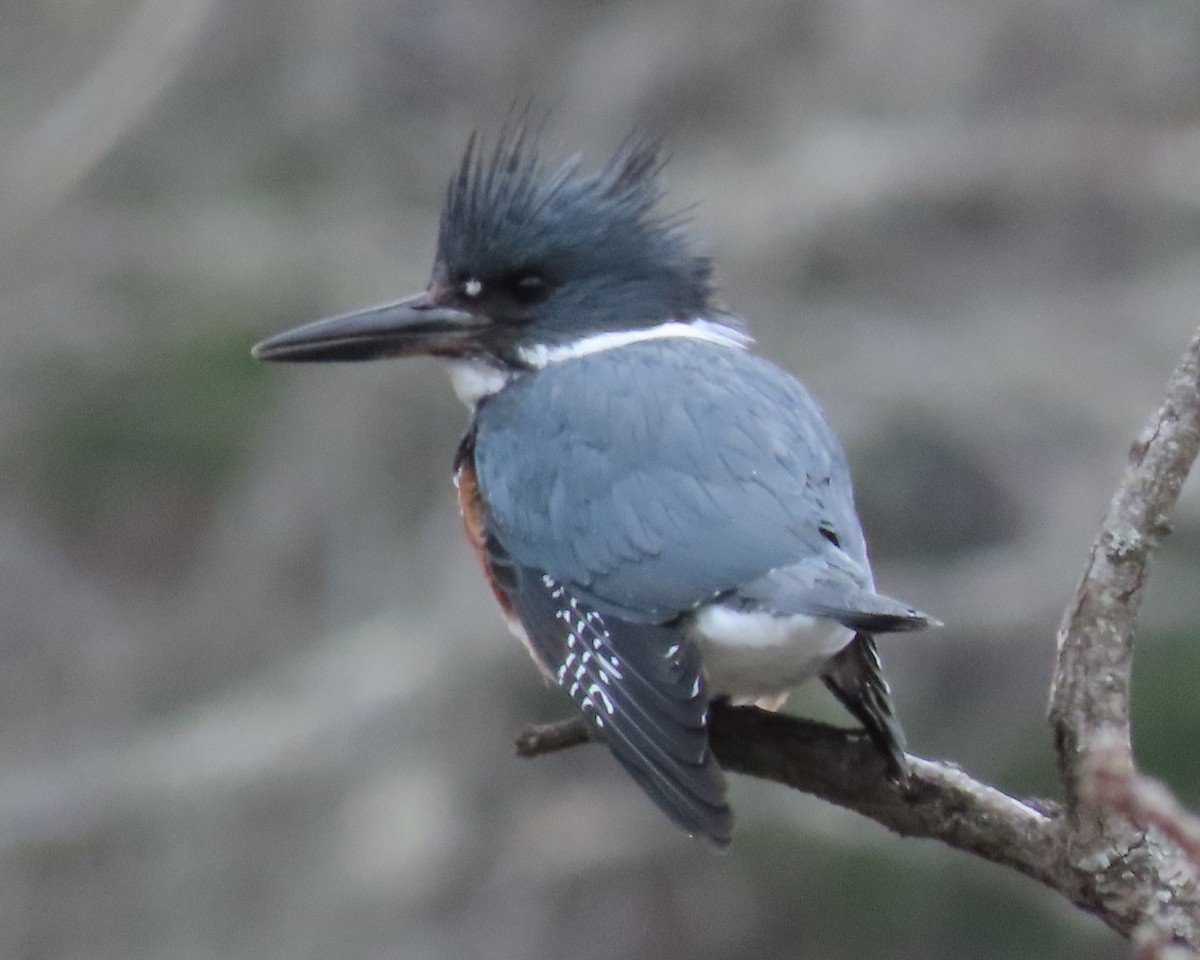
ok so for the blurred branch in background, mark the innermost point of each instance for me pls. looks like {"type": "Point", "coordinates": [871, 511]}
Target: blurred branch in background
{"type": "Point", "coordinates": [72, 137]}
{"type": "Point", "coordinates": [1121, 847]}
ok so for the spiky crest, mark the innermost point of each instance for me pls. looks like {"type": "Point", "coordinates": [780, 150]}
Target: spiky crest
{"type": "Point", "coordinates": [507, 211]}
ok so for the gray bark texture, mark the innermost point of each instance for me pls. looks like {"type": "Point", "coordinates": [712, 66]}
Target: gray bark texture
{"type": "Point", "coordinates": [1118, 844]}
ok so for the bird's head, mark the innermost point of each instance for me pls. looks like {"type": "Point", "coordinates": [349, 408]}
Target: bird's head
{"type": "Point", "coordinates": [531, 261]}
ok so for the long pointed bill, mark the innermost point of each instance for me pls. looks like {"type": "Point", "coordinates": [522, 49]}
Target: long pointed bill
{"type": "Point", "coordinates": [413, 326]}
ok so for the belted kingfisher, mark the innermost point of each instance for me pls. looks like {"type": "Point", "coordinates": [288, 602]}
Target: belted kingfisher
{"type": "Point", "coordinates": [664, 517]}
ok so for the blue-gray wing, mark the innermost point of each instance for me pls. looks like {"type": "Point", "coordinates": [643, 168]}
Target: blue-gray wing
{"type": "Point", "coordinates": [641, 687]}
{"type": "Point", "coordinates": [659, 475]}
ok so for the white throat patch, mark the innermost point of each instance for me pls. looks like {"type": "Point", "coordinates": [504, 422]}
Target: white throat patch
{"type": "Point", "coordinates": [475, 379]}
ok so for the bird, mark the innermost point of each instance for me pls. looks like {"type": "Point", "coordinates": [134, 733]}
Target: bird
{"type": "Point", "coordinates": [664, 517]}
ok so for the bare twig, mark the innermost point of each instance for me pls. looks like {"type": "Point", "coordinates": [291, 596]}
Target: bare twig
{"type": "Point", "coordinates": [552, 737]}
{"type": "Point", "coordinates": [939, 801]}
{"type": "Point", "coordinates": [1089, 697]}
{"type": "Point", "coordinates": [1110, 781]}
{"type": "Point", "coordinates": [1125, 870]}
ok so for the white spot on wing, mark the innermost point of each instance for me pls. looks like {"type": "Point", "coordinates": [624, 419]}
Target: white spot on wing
{"type": "Point", "coordinates": [586, 674]}
{"type": "Point", "coordinates": [595, 691]}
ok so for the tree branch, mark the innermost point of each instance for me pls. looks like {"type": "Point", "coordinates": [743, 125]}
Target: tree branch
{"type": "Point", "coordinates": [552, 737]}
{"type": "Point", "coordinates": [1110, 781]}
{"type": "Point", "coordinates": [1121, 848]}
{"type": "Point", "coordinates": [1089, 696]}
{"type": "Point", "coordinates": [939, 802]}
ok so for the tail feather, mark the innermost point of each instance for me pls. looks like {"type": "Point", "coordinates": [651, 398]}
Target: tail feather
{"type": "Point", "coordinates": [855, 677]}
{"type": "Point", "coordinates": [832, 594]}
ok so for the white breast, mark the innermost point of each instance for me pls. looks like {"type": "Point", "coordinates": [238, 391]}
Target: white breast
{"type": "Point", "coordinates": [755, 654]}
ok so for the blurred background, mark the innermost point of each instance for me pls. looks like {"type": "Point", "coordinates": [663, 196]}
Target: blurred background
{"type": "Point", "coordinates": [255, 700]}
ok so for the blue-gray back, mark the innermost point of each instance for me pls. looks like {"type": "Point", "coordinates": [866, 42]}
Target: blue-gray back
{"type": "Point", "coordinates": [655, 476]}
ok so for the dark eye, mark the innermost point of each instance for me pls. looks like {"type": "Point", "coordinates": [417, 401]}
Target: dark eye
{"type": "Point", "coordinates": [528, 288]}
